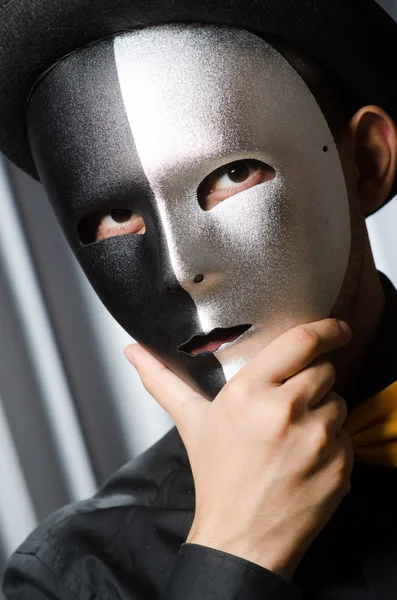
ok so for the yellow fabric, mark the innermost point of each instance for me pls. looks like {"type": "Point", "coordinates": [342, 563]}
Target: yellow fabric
{"type": "Point", "coordinates": [372, 426]}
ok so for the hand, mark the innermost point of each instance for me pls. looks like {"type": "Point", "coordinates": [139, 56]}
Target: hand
{"type": "Point", "coordinates": [270, 460]}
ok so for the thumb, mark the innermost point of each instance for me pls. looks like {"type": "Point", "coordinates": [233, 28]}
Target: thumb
{"type": "Point", "coordinates": [177, 398]}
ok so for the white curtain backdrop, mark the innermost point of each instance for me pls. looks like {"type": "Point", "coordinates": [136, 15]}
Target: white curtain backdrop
{"type": "Point", "coordinates": [72, 409]}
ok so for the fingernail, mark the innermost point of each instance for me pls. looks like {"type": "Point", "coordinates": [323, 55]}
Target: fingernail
{"type": "Point", "coordinates": [345, 327]}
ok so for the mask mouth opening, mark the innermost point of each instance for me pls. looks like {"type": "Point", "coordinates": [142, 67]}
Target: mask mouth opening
{"type": "Point", "coordinates": [212, 341]}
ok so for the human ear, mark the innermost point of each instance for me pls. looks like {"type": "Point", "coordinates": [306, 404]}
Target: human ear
{"type": "Point", "coordinates": [374, 136]}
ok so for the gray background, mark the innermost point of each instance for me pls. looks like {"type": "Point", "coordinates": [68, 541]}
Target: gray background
{"type": "Point", "coordinates": [72, 409]}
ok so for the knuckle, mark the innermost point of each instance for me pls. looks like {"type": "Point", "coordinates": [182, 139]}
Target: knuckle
{"type": "Point", "coordinates": [283, 418]}
{"type": "Point", "coordinates": [280, 428]}
{"type": "Point", "coordinates": [340, 465]}
{"type": "Point", "coordinates": [344, 459]}
{"type": "Point", "coordinates": [237, 393]}
{"type": "Point", "coordinates": [342, 408]}
{"type": "Point", "coordinates": [320, 438]}
{"type": "Point", "coordinates": [338, 406]}
{"type": "Point", "coordinates": [307, 337]}
{"type": "Point", "coordinates": [334, 328]}
{"type": "Point", "coordinates": [294, 407]}
{"type": "Point", "coordinates": [338, 476]}
{"type": "Point", "coordinates": [329, 371]}
{"type": "Point", "coordinates": [286, 416]}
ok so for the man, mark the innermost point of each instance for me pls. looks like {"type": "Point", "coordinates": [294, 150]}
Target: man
{"type": "Point", "coordinates": [218, 208]}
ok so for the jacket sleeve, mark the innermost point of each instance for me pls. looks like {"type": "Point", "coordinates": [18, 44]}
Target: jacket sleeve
{"type": "Point", "coordinates": [27, 578]}
{"type": "Point", "coordinates": [201, 573]}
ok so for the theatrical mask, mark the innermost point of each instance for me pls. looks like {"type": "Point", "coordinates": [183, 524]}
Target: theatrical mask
{"type": "Point", "coordinates": [200, 187]}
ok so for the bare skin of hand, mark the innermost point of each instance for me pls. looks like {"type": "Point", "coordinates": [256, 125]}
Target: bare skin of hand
{"type": "Point", "coordinates": [270, 459]}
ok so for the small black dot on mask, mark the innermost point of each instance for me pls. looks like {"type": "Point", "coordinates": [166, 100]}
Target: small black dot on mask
{"type": "Point", "coordinates": [198, 278]}
{"type": "Point", "coordinates": [325, 148]}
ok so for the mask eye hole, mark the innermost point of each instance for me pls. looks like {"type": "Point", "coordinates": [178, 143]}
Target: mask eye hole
{"type": "Point", "coordinates": [105, 224]}
{"type": "Point", "coordinates": [232, 179]}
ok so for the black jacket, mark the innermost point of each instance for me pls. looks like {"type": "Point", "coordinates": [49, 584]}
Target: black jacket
{"type": "Point", "coordinates": [127, 542]}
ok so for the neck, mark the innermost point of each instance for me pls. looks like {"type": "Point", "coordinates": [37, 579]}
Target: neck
{"type": "Point", "coordinates": [364, 317]}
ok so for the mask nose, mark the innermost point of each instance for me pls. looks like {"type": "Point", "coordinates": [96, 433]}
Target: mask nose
{"type": "Point", "coordinates": [193, 260]}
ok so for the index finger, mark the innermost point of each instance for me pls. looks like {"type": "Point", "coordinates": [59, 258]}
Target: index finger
{"type": "Point", "coordinates": [174, 395]}
{"type": "Point", "coordinates": [295, 349]}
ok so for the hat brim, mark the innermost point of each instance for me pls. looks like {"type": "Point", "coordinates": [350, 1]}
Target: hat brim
{"type": "Point", "coordinates": [357, 41]}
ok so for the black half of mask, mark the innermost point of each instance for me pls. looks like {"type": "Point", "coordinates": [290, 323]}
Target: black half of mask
{"type": "Point", "coordinates": [87, 160]}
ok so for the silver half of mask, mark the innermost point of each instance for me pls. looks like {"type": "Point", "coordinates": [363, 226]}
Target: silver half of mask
{"type": "Point", "coordinates": [275, 255]}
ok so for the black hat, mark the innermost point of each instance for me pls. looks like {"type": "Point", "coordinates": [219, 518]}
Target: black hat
{"type": "Point", "coordinates": [354, 39]}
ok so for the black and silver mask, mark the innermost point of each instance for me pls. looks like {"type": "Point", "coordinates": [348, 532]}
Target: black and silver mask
{"type": "Point", "coordinates": [152, 125]}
